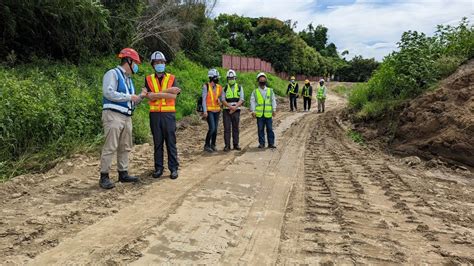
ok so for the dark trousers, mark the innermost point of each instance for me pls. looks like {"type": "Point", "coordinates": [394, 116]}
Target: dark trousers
{"type": "Point", "coordinates": [212, 122]}
{"type": "Point", "coordinates": [263, 122]}
{"type": "Point", "coordinates": [293, 102]}
{"type": "Point", "coordinates": [231, 121]}
{"type": "Point", "coordinates": [307, 103]}
{"type": "Point", "coordinates": [163, 128]}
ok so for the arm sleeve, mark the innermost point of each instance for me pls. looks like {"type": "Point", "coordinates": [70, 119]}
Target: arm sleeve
{"type": "Point", "coordinates": [147, 87]}
{"type": "Point", "coordinates": [274, 103]}
{"type": "Point", "coordinates": [109, 88]}
{"type": "Point", "coordinates": [252, 102]}
{"type": "Point", "coordinates": [223, 94]}
{"type": "Point", "coordinates": [204, 96]}
{"type": "Point", "coordinates": [242, 96]}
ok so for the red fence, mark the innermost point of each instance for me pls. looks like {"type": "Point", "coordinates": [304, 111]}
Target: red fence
{"type": "Point", "coordinates": [251, 64]}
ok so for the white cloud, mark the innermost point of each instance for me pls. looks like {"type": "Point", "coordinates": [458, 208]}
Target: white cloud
{"type": "Point", "coordinates": [367, 27]}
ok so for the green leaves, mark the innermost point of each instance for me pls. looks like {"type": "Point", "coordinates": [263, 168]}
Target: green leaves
{"type": "Point", "coordinates": [419, 64]}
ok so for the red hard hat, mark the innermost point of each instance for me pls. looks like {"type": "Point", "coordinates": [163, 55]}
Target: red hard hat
{"type": "Point", "coordinates": [129, 52]}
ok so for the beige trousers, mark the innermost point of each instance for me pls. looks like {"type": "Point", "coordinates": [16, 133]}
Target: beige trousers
{"type": "Point", "coordinates": [118, 138]}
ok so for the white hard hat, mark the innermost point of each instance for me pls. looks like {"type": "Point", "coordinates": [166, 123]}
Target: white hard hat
{"type": "Point", "coordinates": [231, 74]}
{"type": "Point", "coordinates": [321, 80]}
{"type": "Point", "coordinates": [260, 75]}
{"type": "Point", "coordinates": [158, 56]}
{"type": "Point", "coordinates": [213, 73]}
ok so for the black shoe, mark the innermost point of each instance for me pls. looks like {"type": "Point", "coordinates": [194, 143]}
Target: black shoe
{"type": "Point", "coordinates": [125, 178]}
{"type": "Point", "coordinates": [237, 148]}
{"type": "Point", "coordinates": [261, 146]}
{"type": "Point", "coordinates": [226, 148]}
{"type": "Point", "coordinates": [174, 174]}
{"type": "Point", "coordinates": [271, 146]}
{"type": "Point", "coordinates": [157, 174]}
{"type": "Point", "coordinates": [105, 181]}
{"type": "Point", "coordinates": [208, 149]}
{"type": "Point", "coordinates": [214, 148]}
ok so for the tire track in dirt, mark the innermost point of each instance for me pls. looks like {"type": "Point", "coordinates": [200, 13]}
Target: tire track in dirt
{"type": "Point", "coordinates": [352, 208]}
{"type": "Point", "coordinates": [39, 211]}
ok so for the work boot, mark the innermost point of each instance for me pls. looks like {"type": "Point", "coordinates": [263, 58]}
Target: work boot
{"type": "Point", "coordinates": [226, 148]}
{"type": "Point", "coordinates": [157, 173]}
{"type": "Point", "coordinates": [174, 174]}
{"type": "Point", "coordinates": [271, 146]}
{"type": "Point", "coordinates": [261, 146]}
{"type": "Point", "coordinates": [125, 178]}
{"type": "Point", "coordinates": [237, 148]}
{"type": "Point", "coordinates": [214, 148]}
{"type": "Point", "coordinates": [208, 149]}
{"type": "Point", "coordinates": [105, 181]}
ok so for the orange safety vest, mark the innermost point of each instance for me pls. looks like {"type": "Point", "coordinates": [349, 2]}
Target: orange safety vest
{"type": "Point", "coordinates": [161, 105]}
{"type": "Point", "coordinates": [212, 102]}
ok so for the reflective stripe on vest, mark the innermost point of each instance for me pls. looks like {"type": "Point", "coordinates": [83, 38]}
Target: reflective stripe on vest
{"type": "Point", "coordinates": [125, 108]}
{"type": "Point", "coordinates": [306, 91]}
{"type": "Point", "coordinates": [264, 105]}
{"type": "Point", "coordinates": [161, 105]}
{"type": "Point", "coordinates": [292, 88]}
{"type": "Point", "coordinates": [232, 95]}
{"type": "Point", "coordinates": [212, 102]}
{"type": "Point", "coordinates": [321, 90]}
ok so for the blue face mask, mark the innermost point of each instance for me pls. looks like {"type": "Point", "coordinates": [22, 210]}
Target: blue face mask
{"type": "Point", "coordinates": [160, 68]}
{"type": "Point", "coordinates": [135, 68]}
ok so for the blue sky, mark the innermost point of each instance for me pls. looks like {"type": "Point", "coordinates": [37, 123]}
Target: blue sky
{"type": "Point", "coordinates": [364, 27]}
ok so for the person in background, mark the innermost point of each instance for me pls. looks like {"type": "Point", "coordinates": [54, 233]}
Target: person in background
{"type": "Point", "coordinates": [263, 107]}
{"type": "Point", "coordinates": [232, 98]}
{"type": "Point", "coordinates": [321, 95]}
{"type": "Point", "coordinates": [211, 104]}
{"type": "Point", "coordinates": [307, 92]}
{"type": "Point", "coordinates": [292, 92]}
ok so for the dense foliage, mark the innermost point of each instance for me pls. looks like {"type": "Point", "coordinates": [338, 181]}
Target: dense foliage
{"type": "Point", "coordinates": [418, 65]}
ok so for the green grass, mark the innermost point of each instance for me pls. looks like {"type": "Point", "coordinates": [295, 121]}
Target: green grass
{"type": "Point", "coordinates": [342, 90]}
{"type": "Point", "coordinates": [52, 109]}
{"type": "Point", "coordinates": [355, 136]}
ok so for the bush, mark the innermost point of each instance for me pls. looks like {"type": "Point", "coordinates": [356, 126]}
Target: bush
{"type": "Point", "coordinates": [421, 62]}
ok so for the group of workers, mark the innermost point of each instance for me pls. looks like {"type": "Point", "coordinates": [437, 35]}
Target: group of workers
{"type": "Point", "coordinates": [307, 93]}
{"type": "Point", "coordinates": [161, 89]}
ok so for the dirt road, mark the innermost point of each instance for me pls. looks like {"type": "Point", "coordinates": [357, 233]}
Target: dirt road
{"type": "Point", "coordinates": [317, 198]}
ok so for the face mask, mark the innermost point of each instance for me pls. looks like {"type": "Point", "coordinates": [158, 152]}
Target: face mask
{"type": "Point", "coordinates": [216, 80]}
{"type": "Point", "coordinates": [232, 81]}
{"type": "Point", "coordinates": [262, 83]}
{"type": "Point", "coordinates": [135, 68]}
{"type": "Point", "coordinates": [160, 68]}
{"type": "Point", "coordinates": [292, 81]}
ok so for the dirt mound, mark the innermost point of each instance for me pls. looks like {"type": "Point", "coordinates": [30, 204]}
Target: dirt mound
{"type": "Point", "coordinates": [441, 123]}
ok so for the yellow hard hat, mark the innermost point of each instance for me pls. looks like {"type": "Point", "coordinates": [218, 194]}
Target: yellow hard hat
{"type": "Point", "coordinates": [292, 77]}
{"type": "Point", "coordinates": [306, 81]}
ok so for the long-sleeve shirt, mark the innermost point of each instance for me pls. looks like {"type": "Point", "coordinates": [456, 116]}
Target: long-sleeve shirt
{"type": "Point", "coordinates": [110, 84]}
{"type": "Point", "coordinates": [263, 92]}
{"type": "Point", "coordinates": [289, 88]}
{"type": "Point", "coordinates": [309, 89]}
{"type": "Point", "coordinates": [204, 95]}
{"type": "Point", "coordinates": [223, 94]}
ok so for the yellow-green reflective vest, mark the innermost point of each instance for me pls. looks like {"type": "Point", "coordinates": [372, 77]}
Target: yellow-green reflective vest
{"type": "Point", "coordinates": [321, 90]}
{"type": "Point", "coordinates": [232, 95]}
{"type": "Point", "coordinates": [292, 88]}
{"type": "Point", "coordinates": [264, 105]}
